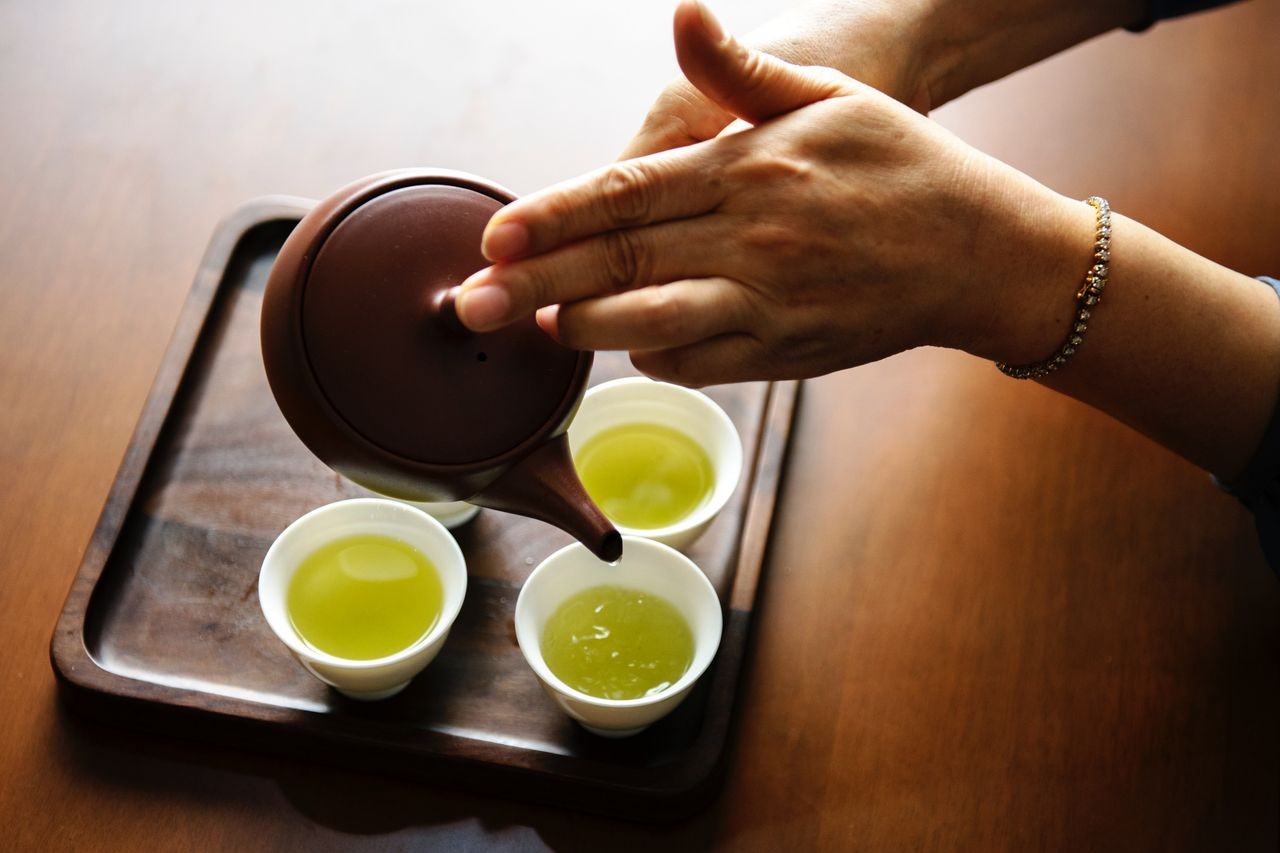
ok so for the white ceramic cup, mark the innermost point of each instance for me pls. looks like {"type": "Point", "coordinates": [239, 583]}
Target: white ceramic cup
{"type": "Point", "coordinates": [641, 400]}
{"type": "Point", "coordinates": [645, 565]}
{"type": "Point", "coordinates": [381, 677]}
{"type": "Point", "coordinates": [452, 514]}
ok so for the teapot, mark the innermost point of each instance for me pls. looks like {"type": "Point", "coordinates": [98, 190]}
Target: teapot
{"type": "Point", "coordinates": [372, 369]}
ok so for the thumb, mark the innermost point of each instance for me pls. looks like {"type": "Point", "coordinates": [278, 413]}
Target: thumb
{"type": "Point", "coordinates": [748, 83]}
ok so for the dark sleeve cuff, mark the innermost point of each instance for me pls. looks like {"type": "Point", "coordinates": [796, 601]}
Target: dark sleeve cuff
{"type": "Point", "coordinates": [1258, 486]}
{"type": "Point", "coordinates": [1158, 10]}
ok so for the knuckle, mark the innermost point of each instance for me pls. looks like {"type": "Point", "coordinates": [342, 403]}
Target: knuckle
{"type": "Point", "coordinates": [792, 168]}
{"type": "Point", "coordinates": [795, 170]}
{"type": "Point", "coordinates": [557, 211]}
{"type": "Point", "coordinates": [793, 341]}
{"type": "Point", "coordinates": [648, 362]}
{"type": "Point", "coordinates": [805, 338]}
{"type": "Point", "coordinates": [660, 314]}
{"type": "Point", "coordinates": [669, 126]}
{"type": "Point", "coordinates": [675, 366]}
{"type": "Point", "coordinates": [626, 192]}
{"type": "Point", "coordinates": [755, 71]}
{"type": "Point", "coordinates": [671, 122]}
{"type": "Point", "coordinates": [657, 122]}
{"type": "Point", "coordinates": [772, 239]}
{"type": "Point", "coordinates": [533, 286]}
{"type": "Point", "coordinates": [656, 364]}
{"type": "Point", "coordinates": [625, 260]}
{"type": "Point", "coordinates": [679, 131]}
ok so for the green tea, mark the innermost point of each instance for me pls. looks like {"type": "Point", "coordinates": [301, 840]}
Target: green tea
{"type": "Point", "coordinates": [645, 476]}
{"type": "Point", "coordinates": [364, 597]}
{"type": "Point", "coordinates": [617, 643]}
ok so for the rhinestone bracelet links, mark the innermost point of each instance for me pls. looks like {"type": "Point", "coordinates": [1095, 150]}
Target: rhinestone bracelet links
{"type": "Point", "coordinates": [1095, 281]}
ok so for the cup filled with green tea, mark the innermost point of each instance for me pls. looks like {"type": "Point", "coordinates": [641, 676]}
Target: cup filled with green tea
{"type": "Point", "coordinates": [618, 647]}
{"type": "Point", "coordinates": [660, 460]}
{"type": "Point", "coordinates": [363, 592]}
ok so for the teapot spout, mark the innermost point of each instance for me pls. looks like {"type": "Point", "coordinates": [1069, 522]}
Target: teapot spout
{"type": "Point", "coordinates": [545, 486]}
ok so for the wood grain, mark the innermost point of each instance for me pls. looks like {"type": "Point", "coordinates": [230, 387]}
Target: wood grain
{"type": "Point", "coordinates": [162, 629]}
{"type": "Point", "coordinates": [992, 620]}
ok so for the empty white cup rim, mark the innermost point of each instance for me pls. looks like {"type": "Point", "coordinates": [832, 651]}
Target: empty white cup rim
{"type": "Point", "coordinates": [692, 674]}
{"type": "Point", "coordinates": [289, 635]}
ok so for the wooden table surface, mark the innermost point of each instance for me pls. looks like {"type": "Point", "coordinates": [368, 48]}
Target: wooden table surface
{"type": "Point", "coordinates": [991, 618]}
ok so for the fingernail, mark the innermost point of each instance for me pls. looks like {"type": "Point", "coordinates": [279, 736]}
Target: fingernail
{"type": "Point", "coordinates": [484, 308]}
{"type": "Point", "coordinates": [710, 22]}
{"type": "Point", "coordinates": [547, 319]}
{"type": "Point", "coordinates": [504, 241]}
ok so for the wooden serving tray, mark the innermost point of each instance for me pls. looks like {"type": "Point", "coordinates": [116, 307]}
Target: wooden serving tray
{"type": "Point", "coordinates": [162, 626]}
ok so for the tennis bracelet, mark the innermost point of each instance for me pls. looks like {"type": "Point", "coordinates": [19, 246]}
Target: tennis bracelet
{"type": "Point", "coordinates": [1095, 280]}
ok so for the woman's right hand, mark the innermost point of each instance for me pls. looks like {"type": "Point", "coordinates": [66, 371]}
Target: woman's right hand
{"type": "Point", "coordinates": [873, 41]}
{"type": "Point", "coordinates": [840, 228]}
{"type": "Point", "coordinates": [843, 227]}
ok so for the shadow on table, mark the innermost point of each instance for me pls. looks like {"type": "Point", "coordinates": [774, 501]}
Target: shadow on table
{"type": "Point", "coordinates": [178, 772]}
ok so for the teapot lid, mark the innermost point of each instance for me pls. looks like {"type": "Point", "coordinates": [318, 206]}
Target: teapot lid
{"type": "Point", "coordinates": [367, 360]}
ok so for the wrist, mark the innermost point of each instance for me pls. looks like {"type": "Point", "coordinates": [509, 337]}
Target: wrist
{"type": "Point", "coordinates": [877, 42]}
{"type": "Point", "coordinates": [965, 44]}
{"type": "Point", "coordinates": [1021, 303]}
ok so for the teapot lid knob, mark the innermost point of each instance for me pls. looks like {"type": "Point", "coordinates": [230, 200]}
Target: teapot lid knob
{"type": "Point", "coordinates": [366, 356]}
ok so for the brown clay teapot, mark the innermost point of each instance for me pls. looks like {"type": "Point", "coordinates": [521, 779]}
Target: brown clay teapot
{"type": "Point", "coordinates": [371, 368]}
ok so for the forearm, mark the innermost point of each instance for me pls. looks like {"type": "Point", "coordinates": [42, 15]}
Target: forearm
{"type": "Point", "coordinates": [968, 43]}
{"type": "Point", "coordinates": [928, 52]}
{"type": "Point", "coordinates": [848, 228]}
{"type": "Point", "coordinates": [1184, 350]}
{"type": "Point", "coordinates": [1180, 348]}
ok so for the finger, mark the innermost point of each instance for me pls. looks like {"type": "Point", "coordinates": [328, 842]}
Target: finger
{"type": "Point", "coordinates": [660, 316]}
{"type": "Point", "coordinates": [547, 318]}
{"type": "Point", "coordinates": [671, 185]}
{"type": "Point", "coordinates": [735, 126]}
{"type": "Point", "coordinates": [749, 83]}
{"type": "Point", "coordinates": [681, 116]}
{"type": "Point", "coordinates": [609, 263]}
{"type": "Point", "coordinates": [727, 358]}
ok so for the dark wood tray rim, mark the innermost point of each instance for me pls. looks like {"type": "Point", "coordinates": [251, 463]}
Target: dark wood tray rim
{"type": "Point", "coordinates": [88, 687]}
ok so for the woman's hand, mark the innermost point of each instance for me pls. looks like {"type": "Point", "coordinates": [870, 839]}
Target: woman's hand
{"type": "Point", "coordinates": [841, 228]}
{"type": "Point", "coordinates": [923, 53]}
{"type": "Point", "coordinates": [877, 42]}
